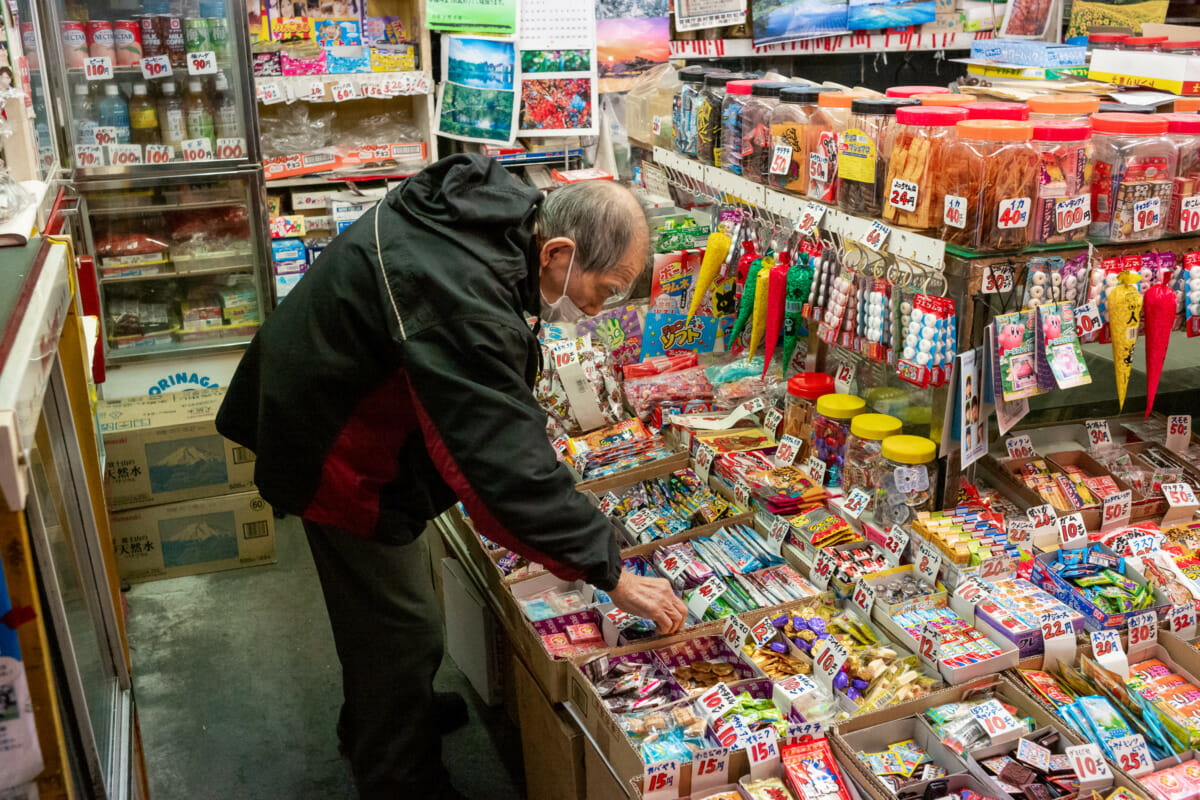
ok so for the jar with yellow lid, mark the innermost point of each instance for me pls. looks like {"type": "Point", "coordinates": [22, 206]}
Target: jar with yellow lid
{"type": "Point", "coordinates": [831, 429]}
{"type": "Point", "coordinates": [863, 448]}
{"type": "Point", "coordinates": [905, 478]}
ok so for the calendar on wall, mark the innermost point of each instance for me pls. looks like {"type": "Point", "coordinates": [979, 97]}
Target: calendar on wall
{"type": "Point", "coordinates": [557, 44]}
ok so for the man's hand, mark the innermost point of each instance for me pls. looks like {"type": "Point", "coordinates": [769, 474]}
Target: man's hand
{"type": "Point", "coordinates": [651, 598]}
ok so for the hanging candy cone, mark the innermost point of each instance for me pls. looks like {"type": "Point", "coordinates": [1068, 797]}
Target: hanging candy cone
{"type": "Point", "coordinates": [1124, 316]}
{"type": "Point", "coordinates": [1159, 309]}
{"type": "Point", "coordinates": [714, 256]}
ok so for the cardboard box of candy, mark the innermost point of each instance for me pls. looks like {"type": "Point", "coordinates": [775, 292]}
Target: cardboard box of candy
{"type": "Point", "coordinates": [1014, 609]}
{"type": "Point", "coordinates": [1098, 584]}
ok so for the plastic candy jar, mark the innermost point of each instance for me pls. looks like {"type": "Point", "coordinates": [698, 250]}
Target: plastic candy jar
{"type": "Point", "coordinates": [831, 428]}
{"type": "Point", "coordinates": [1105, 41]}
{"type": "Point", "coordinates": [1184, 131]}
{"type": "Point", "coordinates": [947, 99]}
{"type": "Point", "coordinates": [990, 180]}
{"type": "Point", "coordinates": [863, 448]}
{"type": "Point", "coordinates": [914, 176]}
{"type": "Point", "coordinates": [708, 114]}
{"type": "Point", "coordinates": [789, 128]}
{"type": "Point", "coordinates": [905, 479]}
{"type": "Point", "coordinates": [804, 389]}
{"type": "Point", "coordinates": [1073, 107]}
{"type": "Point", "coordinates": [825, 126]}
{"type": "Point", "coordinates": [1062, 209]}
{"type": "Point", "coordinates": [1144, 44]}
{"type": "Point", "coordinates": [908, 91]}
{"type": "Point", "coordinates": [729, 155]}
{"type": "Point", "coordinates": [683, 109]}
{"type": "Point", "coordinates": [756, 129]}
{"type": "Point", "coordinates": [1132, 178]}
{"type": "Point", "coordinates": [1015, 111]}
{"type": "Point", "coordinates": [863, 153]}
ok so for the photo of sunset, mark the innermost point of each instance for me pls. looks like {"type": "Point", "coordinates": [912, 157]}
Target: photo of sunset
{"type": "Point", "coordinates": [630, 46]}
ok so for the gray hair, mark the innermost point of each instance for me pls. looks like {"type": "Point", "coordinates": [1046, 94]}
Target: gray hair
{"type": "Point", "coordinates": [598, 216]}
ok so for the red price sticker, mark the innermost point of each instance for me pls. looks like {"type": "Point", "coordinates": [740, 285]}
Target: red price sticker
{"type": "Point", "coordinates": [159, 153]}
{"type": "Point", "coordinates": [1189, 214]}
{"type": "Point", "coordinates": [1013, 213]}
{"type": "Point", "coordinates": [1072, 535]}
{"type": "Point", "coordinates": [1020, 446]}
{"type": "Point", "coordinates": [777, 535]}
{"type": "Point", "coordinates": [231, 148]}
{"type": "Point", "coordinates": [1116, 511]}
{"type": "Point", "coordinates": [88, 156]}
{"type": "Point", "coordinates": [1073, 212]}
{"type": "Point", "coordinates": [904, 195]}
{"type": "Point", "coordinates": [197, 149]}
{"type": "Point", "coordinates": [202, 63]}
{"type": "Point", "coordinates": [998, 278]}
{"type": "Point", "coordinates": [864, 596]}
{"type": "Point", "coordinates": [877, 235]}
{"type": "Point", "coordinates": [124, 155]}
{"type": "Point", "coordinates": [781, 159]}
{"type": "Point", "coordinates": [895, 541]}
{"type": "Point", "coordinates": [1179, 430]}
{"type": "Point", "coordinates": [704, 460]}
{"type": "Point", "coordinates": [1143, 630]}
{"type": "Point", "coordinates": [1132, 755]}
{"type": "Point", "coordinates": [156, 67]}
{"type": "Point", "coordinates": [1087, 320]}
{"type": "Point", "coordinates": [954, 213]}
{"type": "Point", "coordinates": [98, 68]}
{"type": "Point", "coordinates": [856, 503]}
{"type": "Point", "coordinates": [789, 447]}
{"type": "Point", "coordinates": [816, 469]}
{"type": "Point", "coordinates": [1147, 214]}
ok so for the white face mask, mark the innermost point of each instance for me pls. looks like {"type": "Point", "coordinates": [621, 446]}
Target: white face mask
{"type": "Point", "coordinates": [563, 309]}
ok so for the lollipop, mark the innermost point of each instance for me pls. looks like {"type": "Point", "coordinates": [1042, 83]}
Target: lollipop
{"type": "Point", "coordinates": [1124, 316]}
{"type": "Point", "coordinates": [1159, 306]}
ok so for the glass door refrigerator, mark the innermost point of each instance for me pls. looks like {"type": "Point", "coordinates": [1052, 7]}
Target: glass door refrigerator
{"type": "Point", "coordinates": [162, 146]}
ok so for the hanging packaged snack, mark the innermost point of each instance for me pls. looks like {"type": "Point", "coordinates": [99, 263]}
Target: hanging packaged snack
{"type": "Point", "coordinates": [914, 186]}
{"type": "Point", "coordinates": [825, 270]}
{"type": "Point", "coordinates": [1184, 131]}
{"type": "Point", "coordinates": [1014, 346]}
{"type": "Point", "coordinates": [841, 293]}
{"type": "Point", "coordinates": [1133, 177]}
{"type": "Point", "coordinates": [930, 342]}
{"type": "Point", "coordinates": [1124, 319]}
{"type": "Point", "coordinates": [1075, 279]}
{"type": "Point", "coordinates": [789, 131]}
{"type": "Point", "coordinates": [1060, 361]}
{"type": "Point", "coordinates": [990, 178]}
{"type": "Point", "coordinates": [577, 387]}
{"type": "Point", "coordinates": [1158, 315]}
{"type": "Point", "coordinates": [863, 154]}
{"type": "Point", "coordinates": [1063, 206]}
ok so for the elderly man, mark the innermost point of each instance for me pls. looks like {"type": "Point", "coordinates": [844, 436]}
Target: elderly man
{"type": "Point", "coordinates": [395, 380]}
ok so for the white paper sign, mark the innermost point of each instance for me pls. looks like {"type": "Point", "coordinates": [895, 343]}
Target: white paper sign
{"type": "Point", "coordinates": [856, 503]}
{"type": "Point", "coordinates": [231, 148]}
{"type": "Point", "coordinates": [822, 570]}
{"type": "Point", "coordinates": [1189, 214]}
{"type": "Point", "coordinates": [1090, 766]}
{"type": "Point", "coordinates": [640, 521]}
{"type": "Point", "coordinates": [1058, 639]}
{"type": "Point", "coordinates": [620, 619]}
{"type": "Point", "coordinates": [777, 534]}
{"type": "Point", "coordinates": [895, 541]}
{"type": "Point", "coordinates": [197, 149]}
{"type": "Point", "coordinates": [1073, 213]}
{"type": "Point", "coordinates": [815, 468]}
{"type": "Point", "coordinates": [998, 278]}
{"type": "Point", "coordinates": [1143, 631]}
{"type": "Point", "coordinates": [829, 662]}
{"type": "Point", "coordinates": [781, 159]}
{"type": "Point", "coordinates": [864, 597]}
{"type": "Point", "coordinates": [1013, 212]}
{"type": "Point", "coordinates": [159, 153]}
{"type": "Point", "coordinates": [929, 562]}
{"type": "Point", "coordinates": [1106, 646]}
{"type": "Point", "coordinates": [715, 702]}
{"type": "Point", "coordinates": [771, 421]}
{"type": "Point", "coordinates": [89, 156]}
{"type": "Point", "coordinates": [124, 155]}
{"type": "Point", "coordinates": [904, 195]}
{"type": "Point", "coordinates": [608, 503]}
{"type": "Point", "coordinates": [810, 218]}
{"type": "Point", "coordinates": [343, 91]}
{"type": "Point", "coordinates": [741, 493]}
{"type": "Point", "coordinates": [877, 235]}
{"type": "Point", "coordinates": [661, 781]}
{"type": "Point", "coordinates": [1179, 430]}
{"type": "Point", "coordinates": [929, 647]}
{"type": "Point", "coordinates": [997, 723]}
{"type": "Point", "coordinates": [704, 460]}
{"type": "Point", "coordinates": [1020, 446]}
{"type": "Point", "coordinates": [154, 67]}
{"type": "Point", "coordinates": [1132, 755]}
{"type": "Point", "coordinates": [1181, 501]}
{"type": "Point", "coordinates": [1183, 621]}
{"type": "Point", "coordinates": [1072, 535]}
{"type": "Point", "coordinates": [763, 750]}
{"type": "Point", "coordinates": [735, 632]}
{"type": "Point", "coordinates": [789, 447]}
{"type": "Point", "coordinates": [1147, 214]}
{"type": "Point", "coordinates": [203, 62]}
{"type": "Point", "coordinates": [1116, 510]}
{"type": "Point", "coordinates": [705, 595]}
{"type": "Point", "coordinates": [954, 212]}
{"type": "Point", "coordinates": [1042, 516]}
{"type": "Point", "coordinates": [1099, 436]}
{"type": "Point", "coordinates": [673, 566]}
{"type": "Point", "coordinates": [710, 769]}
{"type": "Point", "coordinates": [1087, 320]}
{"type": "Point", "coordinates": [98, 68]}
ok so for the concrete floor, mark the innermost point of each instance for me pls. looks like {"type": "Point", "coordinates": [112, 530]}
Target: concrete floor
{"type": "Point", "coordinates": [238, 688]}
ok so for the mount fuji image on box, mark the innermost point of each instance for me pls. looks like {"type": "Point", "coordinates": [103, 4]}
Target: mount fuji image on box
{"type": "Point", "coordinates": [189, 463]}
{"type": "Point", "coordinates": [198, 539]}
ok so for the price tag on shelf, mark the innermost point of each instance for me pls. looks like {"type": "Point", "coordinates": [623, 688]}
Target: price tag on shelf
{"type": "Point", "coordinates": [98, 68]}
{"type": "Point", "coordinates": [777, 534]}
{"type": "Point", "coordinates": [620, 619]}
{"type": "Point", "coordinates": [197, 149]}
{"type": "Point", "coordinates": [1099, 436]}
{"type": "Point", "coordinates": [1090, 766]}
{"type": "Point", "coordinates": [810, 218]}
{"type": "Point", "coordinates": [1020, 446]}
{"type": "Point", "coordinates": [124, 155]}
{"type": "Point", "coordinates": [1058, 638]}
{"type": "Point", "coordinates": [89, 156]}
{"type": "Point", "coordinates": [673, 566]}
{"type": "Point", "coordinates": [842, 378]}
{"type": "Point", "coordinates": [1116, 511]}
{"type": "Point", "coordinates": [877, 236]}
{"type": "Point", "coordinates": [1179, 428]}
{"type": "Point", "coordinates": [1072, 535]}
{"type": "Point", "coordinates": [954, 211]}
{"type": "Point", "coordinates": [895, 541]}
{"type": "Point", "coordinates": [203, 62]}
{"type": "Point", "coordinates": [1087, 320]}
{"type": "Point", "coordinates": [929, 647]}
{"type": "Point", "coordinates": [1013, 212]}
{"type": "Point", "coordinates": [704, 460]}
{"type": "Point", "coordinates": [929, 562]}
{"type": "Point", "coordinates": [1181, 502]}
{"type": "Point", "coordinates": [998, 278]}
{"type": "Point", "coordinates": [1147, 214]}
{"type": "Point", "coordinates": [1132, 755]}
{"type": "Point", "coordinates": [753, 405]}
{"type": "Point", "coordinates": [159, 153]}
{"type": "Point", "coordinates": [343, 91]}
{"type": "Point", "coordinates": [822, 570]}
{"type": "Point", "coordinates": [316, 90]}
{"type": "Point", "coordinates": [781, 159]}
{"type": "Point", "coordinates": [1073, 213]}
{"type": "Point", "coordinates": [1189, 214]}
{"type": "Point", "coordinates": [1042, 516]}
{"type": "Point", "coordinates": [1183, 620]}
{"type": "Point", "coordinates": [608, 503]}
{"type": "Point", "coordinates": [763, 632]}
{"type": "Point", "coordinates": [106, 135]}
{"type": "Point", "coordinates": [763, 749]}
{"type": "Point", "coordinates": [997, 723]}
{"type": "Point", "coordinates": [904, 195]}
{"type": "Point", "coordinates": [715, 702]}
{"type": "Point", "coordinates": [771, 421]}
{"type": "Point", "coordinates": [829, 662]}
{"type": "Point", "coordinates": [864, 597]}
{"type": "Point", "coordinates": [1106, 645]}
{"type": "Point", "coordinates": [741, 493]}
{"type": "Point", "coordinates": [789, 447]}
{"type": "Point", "coordinates": [856, 503]}
{"type": "Point", "coordinates": [231, 148]}
{"type": "Point", "coordinates": [710, 769]}
{"type": "Point", "coordinates": [972, 589]}
{"type": "Point", "coordinates": [1143, 631]}
{"type": "Point", "coordinates": [735, 633]}
{"type": "Point", "coordinates": [661, 781]}
{"type": "Point", "coordinates": [815, 468]}
{"type": "Point", "coordinates": [272, 93]}
{"type": "Point", "coordinates": [1019, 529]}
{"type": "Point", "coordinates": [640, 521]}
{"type": "Point", "coordinates": [705, 595]}
{"type": "Point", "coordinates": [154, 67]}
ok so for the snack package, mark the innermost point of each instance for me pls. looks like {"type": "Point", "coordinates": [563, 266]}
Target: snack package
{"type": "Point", "coordinates": [577, 387]}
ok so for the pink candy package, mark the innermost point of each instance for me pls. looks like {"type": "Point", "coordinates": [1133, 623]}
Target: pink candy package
{"type": "Point", "coordinates": [1180, 782]}
{"type": "Point", "coordinates": [669, 387]}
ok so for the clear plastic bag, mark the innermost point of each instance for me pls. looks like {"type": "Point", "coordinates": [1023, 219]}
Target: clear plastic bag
{"type": "Point", "coordinates": [290, 129]}
{"type": "Point", "coordinates": [13, 197]}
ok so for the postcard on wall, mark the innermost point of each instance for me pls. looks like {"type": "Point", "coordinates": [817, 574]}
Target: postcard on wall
{"type": "Point", "coordinates": [478, 100]}
{"type": "Point", "coordinates": [632, 37]}
{"type": "Point", "coordinates": [779, 21]}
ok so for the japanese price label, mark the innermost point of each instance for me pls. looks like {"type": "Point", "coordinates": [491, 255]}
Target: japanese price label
{"type": "Point", "coordinates": [822, 570]}
{"type": "Point", "coordinates": [929, 647]}
{"type": "Point", "coordinates": [1179, 494]}
{"type": "Point", "coordinates": [673, 566]}
{"type": "Point", "coordinates": [864, 596]}
{"type": "Point", "coordinates": [929, 562]}
{"type": "Point", "coordinates": [818, 166]}
{"type": "Point", "coordinates": [705, 595]}
{"type": "Point", "coordinates": [856, 503]}
{"type": "Point", "coordinates": [972, 589]}
{"type": "Point", "coordinates": [741, 493]}
{"type": "Point", "coordinates": [1072, 535]}
{"type": "Point", "coordinates": [1090, 766]}
{"type": "Point", "coordinates": [620, 619]}
{"type": "Point", "coordinates": [106, 135]}
{"type": "Point", "coordinates": [877, 235]}
{"type": "Point", "coordinates": [231, 148]}
{"type": "Point", "coordinates": [772, 419]}
{"type": "Point", "coordinates": [272, 93]}
{"type": "Point", "coordinates": [159, 153]}
{"type": "Point", "coordinates": [1099, 436]}
{"type": "Point", "coordinates": [608, 503]}
{"type": "Point", "coordinates": [1019, 530]}
{"type": "Point", "coordinates": [1143, 631]}
{"type": "Point", "coordinates": [1042, 516]}
{"type": "Point", "coordinates": [661, 781]}
{"type": "Point", "coordinates": [800, 730]}
{"type": "Point", "coordinates": [994, 718]}
{"type": "Point", "coordinates": [656, 125]}
{"type": "Point", "coordinates": [895, 540]}
{"type": "Point", "coordinates": [203, 62]}
{"type": "Point", "coordinates": [156, 67]}
{"type": "Point", "coordinates": [1132, 755]}
{"type": "Point", "coordinates": [781, 159]}
{"type": "Point", "coordinates": [1179, 429]}
{"type": "Point", "coordinates": [704, 459]}
{"type": "Point", "coordinates": [1183, 620]}
{"type": "Point", "coordinates": [715, 702]}
{"type": "Point", "coordinates": [904, 195]}
{"type": "Point", "coordinates": [277, 232]}
{"type": "Point", "coordinates": [829, 662]}
{"type": "Point", "coordinates": [735, 632]}
{"type": "Point", "coordinates": [316, 90]}
{"type": "Point", "coordinates": [954, 213]}
{"type": "Point", "coordinates": [1105, 644]}
{"type": "Point", "coordinates": [639, 521]}
{"type": "Point", "coordinates": [343, 91]}
{"type": "Point", "coordinates": [810, 218]}
{"type": "Point", "coordinates": [1116, 511]}
{"type": "Point", "coordinates": [842, 378]}
{"type": "Point", "coordinates": [98, 68]}
{"type": "Point", "coordinates": [763, 632]}
{"type": "Point", "coordinates": [197, 149]}
{"type": "Point", "coordinates": [789, 447]}
{"type": "Point", "coordinates": [564, 354]}
{"type": "Point", "coordinates": [998, 278]}
{"type": "Point", "coordinates": [777, 535]}
{"type": "Point", "coordinates": [1146, 214]}
{"type": "Point", "coordinates": [1073, 212]}
{"type": "Point", "coordinates": [88, 156]}
{"type": "Point", "coordinates": [710, 768]}
{"type": "Point", "coordinates": [1189, 214]}
{"type": "Point", "coordinates": [753, 405]}
{"type": "Point", "coordinates": [124, 155]}
{"type": "Point", "coordinates": [1020, 446]}
{"type": "Point", "coordinates": [763, 750]}
{"type": "Point", "coordinates": [1087, 320]}
{"type": "Point", "coordinates": [1058, 638]}
{"type": "Point", "coordinates": [1013, 213]}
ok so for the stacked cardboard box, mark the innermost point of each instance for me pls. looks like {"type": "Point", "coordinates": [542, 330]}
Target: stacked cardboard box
{"type": "Point", "coordinates": [181, 497]}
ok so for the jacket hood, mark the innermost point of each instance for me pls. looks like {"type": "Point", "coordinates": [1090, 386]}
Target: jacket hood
{"type": "Point", "coordinates": [474, 201]}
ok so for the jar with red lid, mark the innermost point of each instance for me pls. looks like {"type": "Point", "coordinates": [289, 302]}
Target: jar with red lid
{"type": "Point", "coordinates": [803, 391]}
{"type": "Point", "coordinates": [728, 155]}
{"type": "Point", "coordinates": [909, 91]}
{"type": "Point", "coordinates": [1072, 107]}
{"type": "Point", "coordinates": [914, 186]}
{"type": "Point", "coordinates": [990, 182]}
{"type": "Point", "coordinates": [825, 125]}
{"type": "Point", "coordinates": [1106, 41]}
{"type": "Point", "coordinates": [1143, 44]}
{"type": "Point", "coordinates": [1133, 177]}
{"type": "Point", "coordinates": [1189, 48]}
{"type": "Point", "coordinates": [1184, 131]}
{"type": "Point", "coordinates": [988, 110]}
{"type": "Point", "coordinates": [1062, 208]}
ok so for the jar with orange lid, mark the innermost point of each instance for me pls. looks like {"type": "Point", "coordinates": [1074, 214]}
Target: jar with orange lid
{"type": "Point", "coordinates": [914, 185]}
{"type": "Point", "coordinates": [1189, 48]}
{"type": "Point", "coordinates": [909, 91]}
{"type": "Point", "coordinates": [1143, 44]}
{"type": "Point", "coordinates": [947, 99]}
{"type": "Point", "coordinates": [990, 179]}
{"type": "Point", "coordinates": [756, 129]}
{"type": "Point", "coordinates": [1062, 208]}
{"type": "Point", "coordinates": [990, 110]}
{"type": "Point", "coordinates": [789, 123]}
{"type": "Point", "coordinates": [1074, 107]}
{"type": "Point", "coordinates": [1184, 132]}
{"type": "Point", "coordinates": [825, 125]}
{"type": "Point", "coordinates": [1133, 179]}
{"type": "Point", "coordinates": [863, 153]}
{"type": "Point", "coordinates": [1186, 105]}
{"type": "Point", "coordinates": [804, 389]}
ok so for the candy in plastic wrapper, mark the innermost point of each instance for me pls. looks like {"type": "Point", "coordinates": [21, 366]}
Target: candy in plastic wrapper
{"type": "Point", "coordinates": [767, 789]}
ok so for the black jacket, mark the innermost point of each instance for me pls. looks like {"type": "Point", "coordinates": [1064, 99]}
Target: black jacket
{"type": "Point", "coordinates": [378, 393]}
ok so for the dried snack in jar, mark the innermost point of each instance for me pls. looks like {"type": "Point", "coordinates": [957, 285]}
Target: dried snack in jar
{"type": "Point", "coordinates": [991, 175]}
{"type": "Point", "coordinates": [863, 153]}
{"type": "Point", "coordinates": [914, 188]}
{"type": "Point", "coordinates": [1063, 205]}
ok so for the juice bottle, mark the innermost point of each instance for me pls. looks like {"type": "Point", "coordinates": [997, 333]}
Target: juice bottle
{"type": "Point", "coordinates": [170, 116]}
{"type": "Point", "coordinates": [197, 114]}
{"type": "Point", "coordinates": [143, 117]}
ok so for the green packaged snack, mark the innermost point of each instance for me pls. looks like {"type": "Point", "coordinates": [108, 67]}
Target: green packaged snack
{"type": "Point", "coordinates": [1117, 579]}
{"type": "Point", "coordinates": [1092, 580]}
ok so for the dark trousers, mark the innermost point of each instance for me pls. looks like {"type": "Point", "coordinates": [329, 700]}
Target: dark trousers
{"type": "Point", "coordinates": [388, 634]}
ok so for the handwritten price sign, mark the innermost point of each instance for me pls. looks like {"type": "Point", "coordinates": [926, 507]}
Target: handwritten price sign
{"type": "Point", "coordinates": [954, 213]}
{"type": "Point", "coordinates": [202, 63]}
{"type": "Point", "coordinates": [1147, 214]}
{"type": "Point", "coordinates": [1183, 620]}
{"type": "Point", "coordinates": [864, 596]}
{"type": "Point", "coordinates": [735, 632]}
{"type": "Point", "coordinates": [1042, 516]}
{"type": "Point", "coordinates": [810, 218]}
{"type": "Point", "coordinates": [856, 503]}
{"type": "Point", "coordinates": [1143, 631]}
{"type": "Point", "coordinates": [789, 447]}
{"type": "Point", "coordinates": [1189, 214]}
{"type": "Point", "coordinates": [1099, 435]}
{"type": "Point", "coordinates": [704, 461]}
{"type": "Point", "coordinates": [88, 156]}
{"type": "Point", "coordinates": [1014, 212]}
{"type": "Point", "coordinates": [1132, 755]}
{"type": "Point", "coordinates": [994, 718]}
{"type": "Point", "coordinates": [781, 159]}
{"type": "Point", "coordinates": [777, 535]}
{"type": "Point", "coordinates": [197, 149]}
{"type": "Point", "coordinates": [159, 153]}
{"type": "Point", "coordinates": [1020, 446]}
{"type": "Point", "coordinates": [904, 195]}
{"type": "Point", "coordinates": [1087, 320]}
{"type": "Point", "coordinates": [998, 278]}
{"type": "Point", "coordinates": [877, 235]}
{"type": "Point", "coordinates": [1072, 213]}
{"type": "Point", "coordinates": [895, 541]}
{"type": "Point", "coordinates": [822, 570]}
{"type": "Point", "coordinates": [1072, 535]}
{"type": "Point", "coordinates": [98, 68]}
{"type": "Point", "coordinates": [1179, 429]}
{"type": "Point", "coordinates": [1116, 511]}
{"type": "Point", "coordinates": [125, 155]}
{"type": "Point", "coordinates": [154, 67]}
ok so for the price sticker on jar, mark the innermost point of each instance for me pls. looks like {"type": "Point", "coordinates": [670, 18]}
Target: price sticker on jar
{"type": "Point", "coordinates": [818, 167]}
{"type": "Point", "coordinates": [1147, 214]}
{"type": "Point", "coordinates": [704, 460]}
{"type": "Point", "coordinates": [1179, 430]}
{"type": "Point", "coordinates": [954, 213]}
{"type": "Point", "coordinates": [89, 156]}
{"type": "Point", "coordinates": [159, 153]}
{"type": "Point", "coordinates": [904, 195]}
{"type": "Point", "coordinates": [98, 68]}
{"type": "Point", "coordinates": [203, 62]}
{"type": "Point", "coordinates": [197, 149]}
{"type": "Point", "coordinates": [815, 468]}
{"type": "Point", "coordinates": [1013, 213]}
{"type": "Point", "coordinates": [343, 91]}
{"type": "Point", "coordinates": [789, 447]}
{"type": "Point", "coordinates": [231, 148]}
{"type": "Point", "coordinates": [1073, 213]}
{"type": "Point", "coordinates": [781, 159]}
{"type": "Point", "coordinates": [154, 67]}
{"type": "Point", "coordinates": [124, 155]}
{"type": "Point", "coordinates": [856, 503]}
{"type": "Point", "coordinates": [877, 235]}
{"type": "Point", "coordinates": [1189, 214]}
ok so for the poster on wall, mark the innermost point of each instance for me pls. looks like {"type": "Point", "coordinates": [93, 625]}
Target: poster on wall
{"type": "Point", "coordinates": [973, 427]}
{"type": "Point", "coordinates": [558, 68]}
{"type": "Point", "coordinates": [487, 17]}
{"type": "Point", "coordinates": [1111, 16]}
{"type": "Point", "coordinates": [865, 15]}
{"type": "Point", "coordinates": [478, 100]}
{"type": "Point", "coordinates": [779, 21]}
{"type": "Point", "coordinates": [632, 37]}
{"type": "Point", "coordinates": [691, 15]}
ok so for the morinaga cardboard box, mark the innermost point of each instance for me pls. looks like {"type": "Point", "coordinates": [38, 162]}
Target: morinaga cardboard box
{"type": "Point", "coordinates": [165, 448]}
{"type": "Point", "coordinates": [192, 537]}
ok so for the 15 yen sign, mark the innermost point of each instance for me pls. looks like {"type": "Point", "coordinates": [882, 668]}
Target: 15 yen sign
{"type": "Point", "coordinates": [661, 781]}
